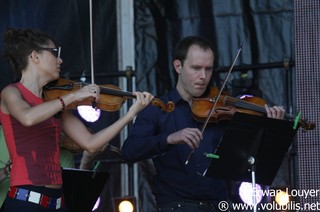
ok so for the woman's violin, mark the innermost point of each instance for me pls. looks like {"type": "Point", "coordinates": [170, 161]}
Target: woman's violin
{"type": "Point", "coordinates": [227, 106]}
{"type": "Point", "coordinates": [111, 97]}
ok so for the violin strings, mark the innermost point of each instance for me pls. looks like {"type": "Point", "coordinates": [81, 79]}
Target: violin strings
{"type": "Point", "coordinates": [245, 105]}
{"type": "Point", "coordinates": [106, 90]}
{"type": "Point", "coordinates": [113, 91]}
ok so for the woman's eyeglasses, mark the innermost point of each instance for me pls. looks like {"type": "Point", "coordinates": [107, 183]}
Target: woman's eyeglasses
{"type": "Point", "coordinates": [55, 51]}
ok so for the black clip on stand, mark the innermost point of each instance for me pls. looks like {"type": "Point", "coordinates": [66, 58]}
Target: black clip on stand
{"type": "Point", "coordinates": [252, 144]}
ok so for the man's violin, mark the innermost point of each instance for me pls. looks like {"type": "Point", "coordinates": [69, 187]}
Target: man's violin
{"type": "Point", "coordinates": [226, 106]}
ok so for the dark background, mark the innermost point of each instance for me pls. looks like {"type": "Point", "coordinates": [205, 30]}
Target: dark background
{"type": "Point", "coordinates": [265, 66]}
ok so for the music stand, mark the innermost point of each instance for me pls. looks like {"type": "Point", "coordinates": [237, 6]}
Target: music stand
{"type": "Point", "coordinates": [82, 188]}
{"type": "Point", "coordinates": [252, 149]}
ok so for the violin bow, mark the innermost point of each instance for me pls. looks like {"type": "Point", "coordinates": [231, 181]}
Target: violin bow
{"type": "Point", "coordinates": [91, 42]}
{"type": "Point", "coordinates": [94, 103]}
{"type": "Point", "coordinates": [217, 98]}
{"type": "Point", "coordinates": [221, 89]}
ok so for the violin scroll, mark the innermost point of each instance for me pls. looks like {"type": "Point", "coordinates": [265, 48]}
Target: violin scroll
{"type": "Point", "coordinates": [169, 107]}
{"type": "Point", "coordinates": [307, 125]}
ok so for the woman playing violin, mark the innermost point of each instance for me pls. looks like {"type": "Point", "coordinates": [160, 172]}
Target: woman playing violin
{"type": "Point", "coordinates": [31, 128]}
{"type": "Point", "coordinates": [167, 138]}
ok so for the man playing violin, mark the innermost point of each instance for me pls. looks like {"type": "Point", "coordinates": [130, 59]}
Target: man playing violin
{"type": "Point", "coordinates": [168, 138]}
{"type": "Point", "coordinates": [31, 127]}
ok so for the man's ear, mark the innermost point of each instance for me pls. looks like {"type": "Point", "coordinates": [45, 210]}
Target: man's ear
{"type": "Point", "coordinates": [177, 66]}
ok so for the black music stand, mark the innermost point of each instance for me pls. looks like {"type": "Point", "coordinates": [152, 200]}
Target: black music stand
{"type": "Point", "coordinates": [252, 149]}
{"type": "Point", "coordinates": [82, 188]}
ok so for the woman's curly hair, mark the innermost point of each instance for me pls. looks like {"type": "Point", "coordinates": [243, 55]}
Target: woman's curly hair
{"type": "Point", "coordinates": [18, 45]}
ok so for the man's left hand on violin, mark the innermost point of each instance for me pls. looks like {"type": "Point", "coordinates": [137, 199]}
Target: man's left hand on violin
{"type": "Point", "coordinates": [276, 112]}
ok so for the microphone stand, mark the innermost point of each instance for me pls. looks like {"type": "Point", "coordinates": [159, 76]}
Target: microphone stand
{"type": "Point", "coordinates": [251, 162]}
